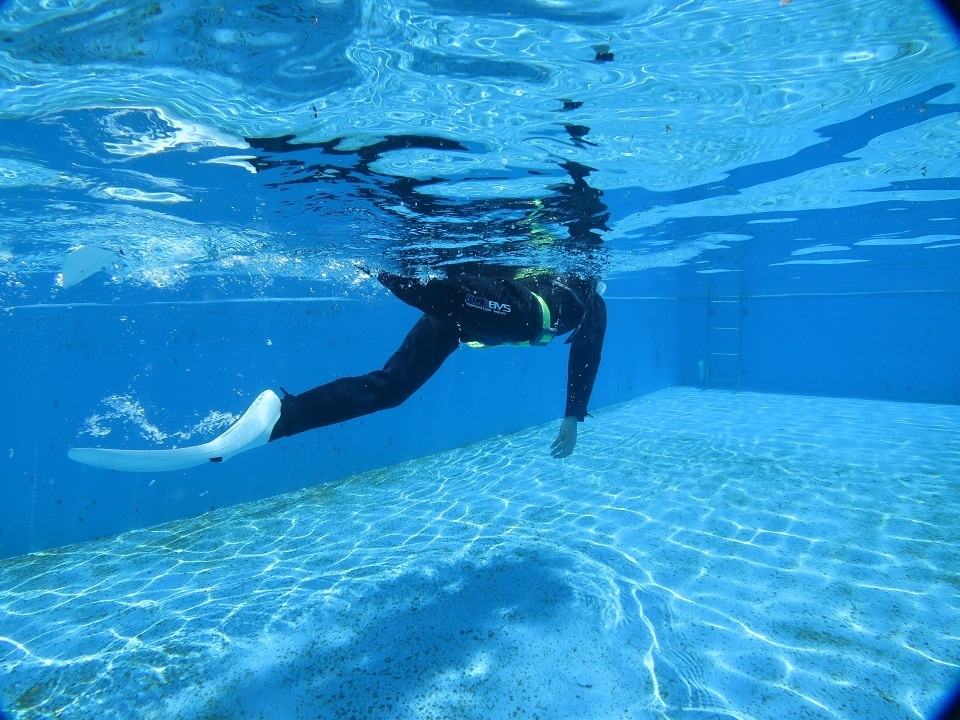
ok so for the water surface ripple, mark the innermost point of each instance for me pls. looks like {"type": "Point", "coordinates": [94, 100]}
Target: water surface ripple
{"type": "Point", "coordinates": [135, 127]}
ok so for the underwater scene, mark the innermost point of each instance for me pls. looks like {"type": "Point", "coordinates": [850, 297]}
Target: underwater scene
{"type": "Point", "coordinates": [479, 359]}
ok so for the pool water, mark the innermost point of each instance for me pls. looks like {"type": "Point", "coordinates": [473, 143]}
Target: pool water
{"type": "Point", "coordinates": [705, 554]}
{"type": "Point", "coordinates": [759, 519]}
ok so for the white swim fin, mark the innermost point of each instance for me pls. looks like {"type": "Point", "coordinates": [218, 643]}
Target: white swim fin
{"type": "Point", "coordinates": [250, 431]}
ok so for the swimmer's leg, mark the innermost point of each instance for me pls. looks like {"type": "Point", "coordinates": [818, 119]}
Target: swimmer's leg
{"type": "Point", "coordinates": [423, 351]}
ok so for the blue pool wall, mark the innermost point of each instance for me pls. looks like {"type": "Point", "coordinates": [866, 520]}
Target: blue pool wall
{"type": "Point", "coordinates": [901, 346]}
{"type": "Point", "coordinates": [183, 361]}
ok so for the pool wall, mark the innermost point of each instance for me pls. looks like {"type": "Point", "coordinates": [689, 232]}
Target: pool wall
{"type": "Point", "coordinates": [181, 362]}
{"type": "Point", "coordinates": [895, 346]}
{"type": "Point", "coordinates": [878, 346]}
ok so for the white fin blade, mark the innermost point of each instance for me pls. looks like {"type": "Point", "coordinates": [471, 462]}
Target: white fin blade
{"type": "Point", "coordinates": [251, 430]}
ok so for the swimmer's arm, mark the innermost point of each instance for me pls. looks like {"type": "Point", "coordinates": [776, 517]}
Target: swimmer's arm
{"type": "Point", "coordinates": [585, 348]}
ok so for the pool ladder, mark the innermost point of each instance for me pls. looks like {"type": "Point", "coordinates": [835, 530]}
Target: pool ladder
{"type": "Point", "coordinates": [723, 367]}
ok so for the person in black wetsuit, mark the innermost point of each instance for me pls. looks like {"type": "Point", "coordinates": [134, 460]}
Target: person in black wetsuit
{"type": "Point", "coordinates": [478, 312]}
{"type": "Point", "coordinates": [470, 310]}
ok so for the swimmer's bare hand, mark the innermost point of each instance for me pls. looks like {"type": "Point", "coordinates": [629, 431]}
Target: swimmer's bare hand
{"type": "Point", "coordinates": [567, 438]}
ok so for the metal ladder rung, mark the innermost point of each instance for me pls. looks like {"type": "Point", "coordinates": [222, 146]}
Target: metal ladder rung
{"type": "Point", "coordinates": [729, 311]}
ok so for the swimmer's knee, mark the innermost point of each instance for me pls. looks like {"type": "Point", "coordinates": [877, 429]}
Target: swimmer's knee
{"type": "Point", "coordinates": [390, 393]}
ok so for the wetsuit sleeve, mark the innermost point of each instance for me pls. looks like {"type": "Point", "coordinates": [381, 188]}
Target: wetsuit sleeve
{"type": "Point", "coordinates": [585, 346]}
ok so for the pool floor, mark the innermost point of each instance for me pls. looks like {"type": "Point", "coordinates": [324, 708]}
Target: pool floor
{"type": "Point", "coordinates": [703, 555]}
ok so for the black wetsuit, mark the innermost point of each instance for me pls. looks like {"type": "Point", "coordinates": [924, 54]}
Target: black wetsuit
{"type": "Point", "coordinates": [462, 309]}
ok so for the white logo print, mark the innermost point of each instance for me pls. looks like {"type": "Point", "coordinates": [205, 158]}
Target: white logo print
{"type": "Point", "coordinates": [487, 305]}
